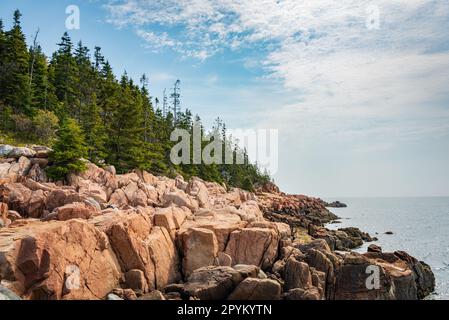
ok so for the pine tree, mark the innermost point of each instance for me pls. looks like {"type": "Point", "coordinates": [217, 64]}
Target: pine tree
{"type": "Point", "coordinates": [39, 80]}
{"type": "Point", "coordinates": [5, 111]}
{"type": "Point", "coordinates": [99, 59]}
{"type": "Point", "coordinates": [68, 151]}
{"type": "Point", "coordinates": [93, 130]}
{"type": "Point", "coordinates": [125, 135]}
{"type": "Point", "coordinates": [14, 78]}
{"type": "Point", "coordinates": [65, 78]}
{"type": "Point", "coordinates": [2, 45]}
{"type": "Point", "coordinates": [108, 94]}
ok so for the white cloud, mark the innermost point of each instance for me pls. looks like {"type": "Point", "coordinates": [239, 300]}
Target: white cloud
{"type": "Point", "coordinates": [157, 40]}
{"type": "Point", "coordinates": [322, 51]}
{"type": "Point", "coordinates": [346, 82]}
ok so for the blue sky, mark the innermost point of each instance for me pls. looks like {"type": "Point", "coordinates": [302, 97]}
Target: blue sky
{"type": "Point", "coordinates": [357, 89]}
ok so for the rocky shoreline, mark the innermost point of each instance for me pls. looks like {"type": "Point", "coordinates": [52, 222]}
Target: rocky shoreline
{"type": "Point", "coordinates": [138, 236]}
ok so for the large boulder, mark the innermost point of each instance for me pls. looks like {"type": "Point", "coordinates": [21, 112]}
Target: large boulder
{"type": "Point", "coordinates": [213, 283]}
{"type": "Point", "coordinates": [128, 234]}
{"type": "Point", "coordinates": [60, 197]}
{"type": "Point", "coordinates": [171, 218]}
{"type": "Point", "coordinates": [256, 246]}
{"type": "Point", "coordinates": [199, 248]}
{"type": "Point", "coordinates": [135, 280]}
{"type": "Point", "coordinates": [14, 170]}
{"type": "Point", "coordinates": [118, 199]}
{"type": "Point", "coordinates": [250, 212]}
{"type": "Point", "coordinates": [256, 289]}
{"type": "Point", "coordinates": [18, 152]}
{"type": "Point", "coordinates": [5, 150]}
{"type": "Point", "coordinates": [134, 195]}
{"type": "Point", "coordinates": [139, 245]}
{"type": "Point", "coordinates": [297, 274]}
{"type": "Point", "coordinates": [4, 169]}
{"type": "Point", "coordinates": [352, 276]}
{"type": "Point", "coordinates": [58, 260]}
{"type": "Point", "coordinates": [412, 279]}
{"type": "Point", "coordinates": [74, 210]}
{"type": "Point", "coordinates": [37, 174]}
{"type": "Point", "coordinates": [99, 176]}
{"type": "Point", "coordinates": [221, 221]}
{"type": "Point", "coordinates": [89, 189]}
{"type": "Point", "coordinates": [36, 205]}
{"type": "Point", "coordinates": [302, 294]}
{"type": "Point", "coordinates": [180, 199]}
{"type": "Point", "coordinates": [41, 151]}
{"type": "Point", "coordinates": [17, 196]}
{"type": "Point", "coordinates": [164, 256]}
{"type": "Point", "coordinates": [198, 189]}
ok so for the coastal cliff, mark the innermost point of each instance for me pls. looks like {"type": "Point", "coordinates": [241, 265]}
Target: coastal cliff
{"type": "Point", "coordinates": [103, 235]}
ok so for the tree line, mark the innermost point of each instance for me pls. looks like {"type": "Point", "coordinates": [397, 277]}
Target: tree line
{"type": "Point", "coordinates": [73, 102]}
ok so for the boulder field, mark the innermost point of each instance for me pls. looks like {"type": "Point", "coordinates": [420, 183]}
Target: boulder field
{"type": "Point", "coordinates": [103, 235]}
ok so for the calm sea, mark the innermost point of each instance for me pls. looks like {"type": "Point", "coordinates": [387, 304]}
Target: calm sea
{"type": "Point", "coordinates": [420, 227]}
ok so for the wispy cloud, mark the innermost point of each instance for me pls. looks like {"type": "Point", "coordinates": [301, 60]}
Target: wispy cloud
{"type": "Point", "coordinates": [323, 52]}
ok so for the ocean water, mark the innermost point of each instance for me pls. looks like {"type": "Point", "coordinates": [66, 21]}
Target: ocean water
{"type": "Point", "coordinates": [420, 227]}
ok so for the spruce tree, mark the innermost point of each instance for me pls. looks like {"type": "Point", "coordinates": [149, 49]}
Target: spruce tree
{"type": "Point", "coordinates": [68, 151]}
{"type": "Point", "coordinates": [65, 78]}
{"type": "Point", "coordinates": [125, 136]}
{"type": "Point", "coordinates": [93, 131]}
{"type": "Point", "coordinates": [14, 78]}
{"type": "Point", "coordinates": [39, 80]}
{"type": "Point", "coordinates": [2, 45]}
